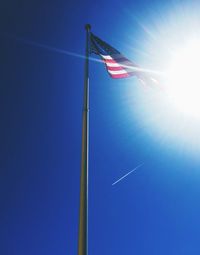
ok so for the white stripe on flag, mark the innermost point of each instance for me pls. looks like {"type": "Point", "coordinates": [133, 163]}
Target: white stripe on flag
{"type": "Point", "coordinates": [113, 57]}
{"type": "Point", "coordinates": [113, 64]}
{"type": "Point", "coordinates": [106, 57]}
{"type": "Point", "coordinates": [118, 72]}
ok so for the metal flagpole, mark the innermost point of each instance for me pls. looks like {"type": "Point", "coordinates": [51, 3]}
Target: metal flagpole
{"type": "Point", "coordinates": [83, 213]}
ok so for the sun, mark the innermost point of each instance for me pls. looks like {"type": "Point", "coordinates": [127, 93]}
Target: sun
{"type": "Point", "coordinates": [183, 78]}
{"type": "Point", "coordinates": [170, 117]}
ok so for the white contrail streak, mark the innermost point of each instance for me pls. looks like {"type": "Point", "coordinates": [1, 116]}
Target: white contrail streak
{"type": "Point", "coordinates": [124, 176]}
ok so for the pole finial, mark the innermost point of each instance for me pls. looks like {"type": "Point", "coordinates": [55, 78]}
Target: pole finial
{"type": "Point", "coordinates": [88, 27]}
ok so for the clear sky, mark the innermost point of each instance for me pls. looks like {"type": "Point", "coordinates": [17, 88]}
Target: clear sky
{"type": "Point", "coordinates": [155, 210]}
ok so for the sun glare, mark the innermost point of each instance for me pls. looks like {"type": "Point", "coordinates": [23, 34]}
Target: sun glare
{"type": "Point", "coordinates": [171, 117]}
{"type": "Point", "coordinates": [183, 78]}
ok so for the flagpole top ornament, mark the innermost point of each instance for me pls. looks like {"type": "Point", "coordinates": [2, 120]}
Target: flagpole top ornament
{"type": "Point", "coordinates": [88, 27]}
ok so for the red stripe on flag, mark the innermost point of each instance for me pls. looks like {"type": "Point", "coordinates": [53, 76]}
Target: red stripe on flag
{"type": "Point", "coordinates": [110, 61]}
{"type": "Point", "coordinates": [115, 68]}
{"type": "Point", "coordinates": [117, 76]}
{"type": "Point", "coordinates": [118, 60]}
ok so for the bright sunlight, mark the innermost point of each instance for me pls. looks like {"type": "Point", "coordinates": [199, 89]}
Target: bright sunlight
{"type": "Point", "coordinates": [183, 78]}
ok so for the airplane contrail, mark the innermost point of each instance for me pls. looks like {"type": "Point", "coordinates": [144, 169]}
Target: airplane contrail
{"type": "Point", "coordinates": [124, 176]}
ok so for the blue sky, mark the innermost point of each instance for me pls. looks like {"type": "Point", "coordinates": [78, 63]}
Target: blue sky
{"type": "Point", "coordinates": [155, 210]}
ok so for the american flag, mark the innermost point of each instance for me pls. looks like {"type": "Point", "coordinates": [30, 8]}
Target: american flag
{"type": "Point", "coordinates": [117, 65]}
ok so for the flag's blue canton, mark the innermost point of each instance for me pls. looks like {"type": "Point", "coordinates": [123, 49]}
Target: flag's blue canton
{"type": "Point", "coordinates": [100, 47]}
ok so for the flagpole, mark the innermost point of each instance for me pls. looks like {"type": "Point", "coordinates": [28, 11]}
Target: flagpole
{"type": "Point", "coordinates": [83, 211]}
